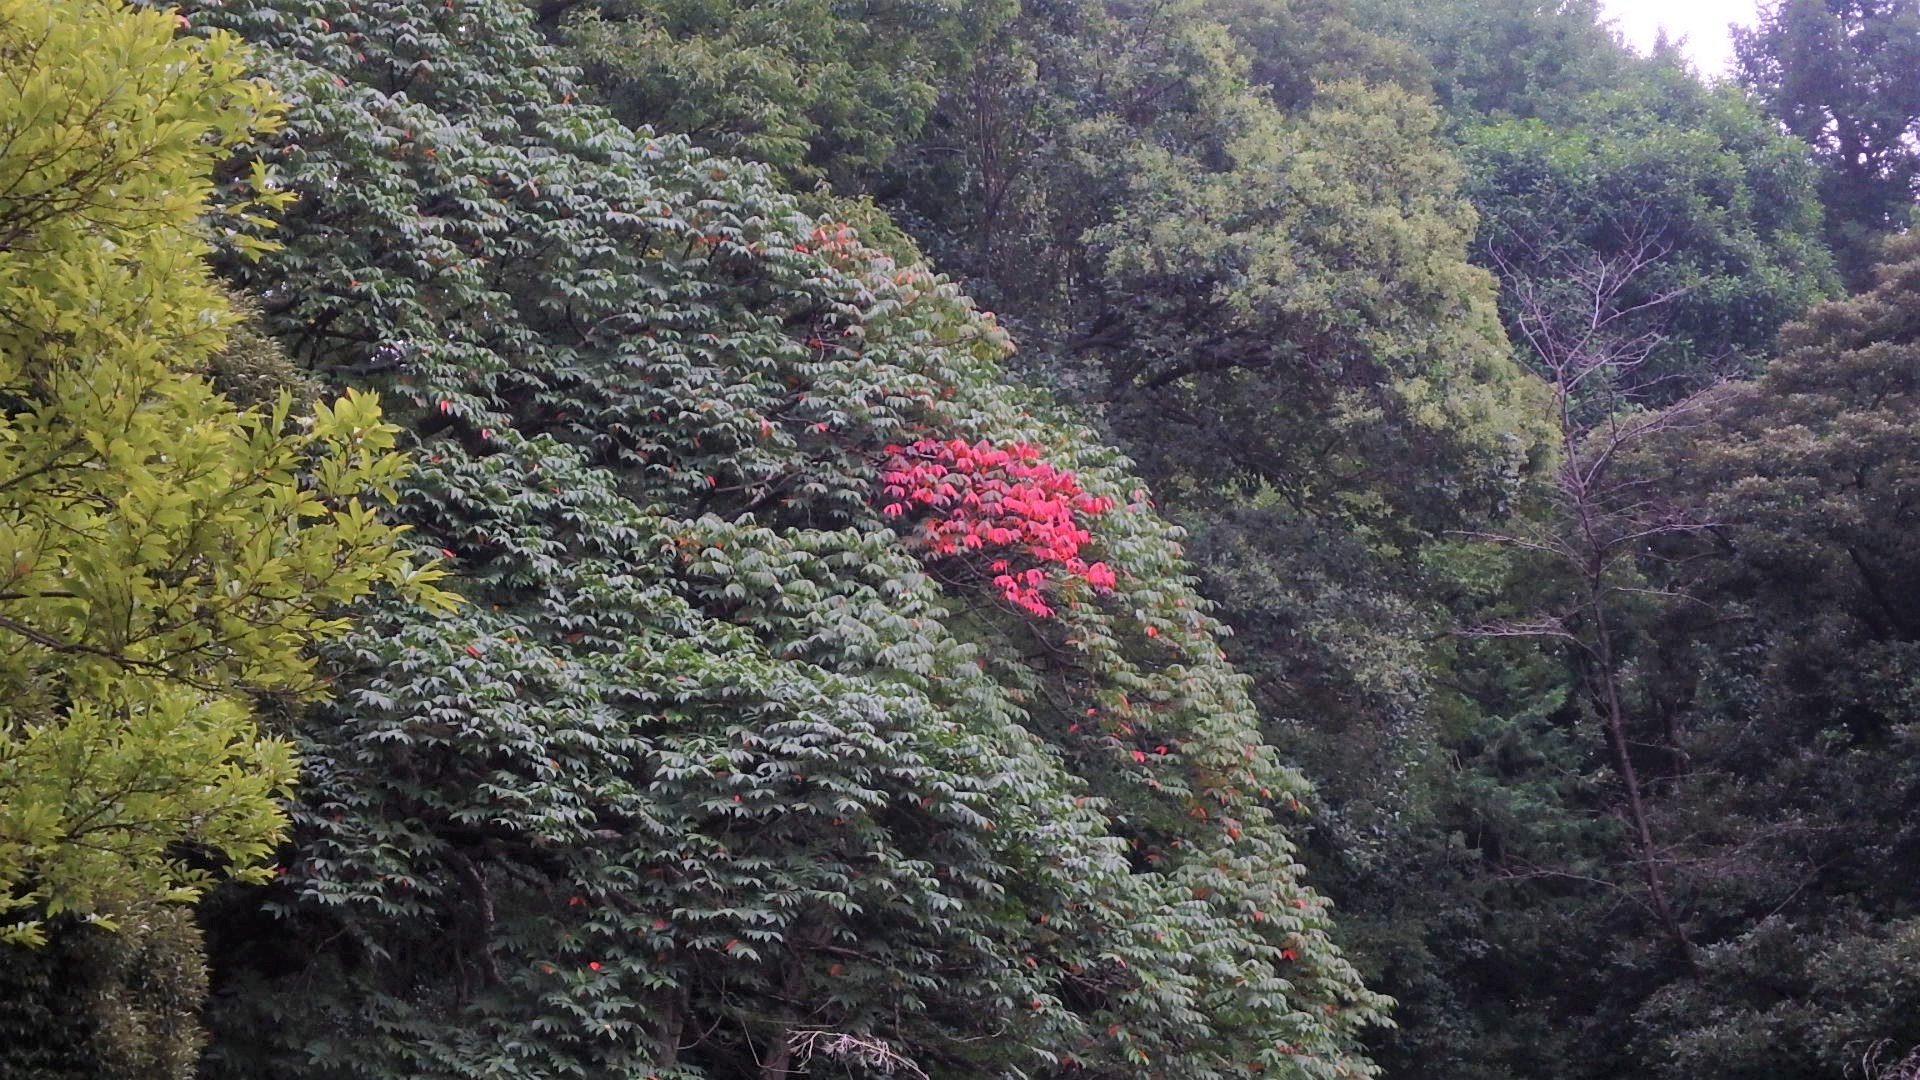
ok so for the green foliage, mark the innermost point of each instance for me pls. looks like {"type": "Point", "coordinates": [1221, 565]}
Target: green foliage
{"type": "Point", "coordinates": [1472, 830]}
{"type": "Point", "coordinates": [1253, 268]}
{"type": "Point", "coordinates": [1839, 75]}
{"type": "Point", "coordinates": [735, 762]}
{"type": "Point", "coordinates": [1296, 317]}
{"type": "Point", "coordinates": [1228, 231]}
{"type": "Point", "coordinates": [1720, 207]}
{"type": "Point", "coordinates": [1508, 59]}
{"type": "Point", "coordinates": [94, 1004]}
{"type": "Point", "coordinates": [1292, 47]}
{"type": "Point", "coordinates": [1796, 702]}
{"type": "Point", "coordinates": [1316, 379]}
{"type": "Point", "coordinates": [1811, 460]}
{"type": "Point", "coordinates": [819, 91]}
{"type": "Point", "coordinates": [1821, 995]}
{"type": "Point", "coordinates": [717, 766]}
{"type": "Point", "coordinates": [1057, 172]}
{"type": "Point", "coordinates": [170, 555]}
{"type": "Point", "coordinates": [252, 370]}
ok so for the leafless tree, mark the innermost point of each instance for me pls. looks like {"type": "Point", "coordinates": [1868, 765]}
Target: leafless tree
{"type": "Point", "coordinates": [1591, 327]}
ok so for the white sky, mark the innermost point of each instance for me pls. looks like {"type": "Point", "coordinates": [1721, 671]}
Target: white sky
{"type": "Point", "coordinates": [1702, 22]}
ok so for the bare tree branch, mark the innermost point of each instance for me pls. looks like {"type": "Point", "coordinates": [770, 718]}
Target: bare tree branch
{"type": "Point", "coordinates": [864, 1050]}
{"type": "Point", "coordinates": [1593, 330]}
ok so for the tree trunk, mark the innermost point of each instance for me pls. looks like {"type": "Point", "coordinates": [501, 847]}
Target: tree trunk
{"type": "Point", "coordinates": [779, 1063]}
{"type": "Point", "coordinates": [1614, 714]}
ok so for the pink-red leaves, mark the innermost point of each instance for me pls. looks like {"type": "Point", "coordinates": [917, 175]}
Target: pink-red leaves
{"type": "Point", "coordinates": [978, 495]}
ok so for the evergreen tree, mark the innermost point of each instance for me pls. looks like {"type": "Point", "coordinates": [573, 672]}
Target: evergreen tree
{"type": "Point", "coordinates": [1491, 884]}
{"type": "Point", "coordinates": [1724, 206]}
{"type": "Point", "coordinates": [1509, 59]}
{"type": "Point", "coordinates": [822, 92]}
{"type": "Point", "coordinates": [1839, 75]}
{"type": "Point", "coordinates": [1790, 686]}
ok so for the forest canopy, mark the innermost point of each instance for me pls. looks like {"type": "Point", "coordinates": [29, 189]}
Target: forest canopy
{"type": "Point", "coordinates": [695, 539]}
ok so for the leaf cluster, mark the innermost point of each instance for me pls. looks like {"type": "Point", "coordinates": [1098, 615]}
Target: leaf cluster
{"type": "Point", "coordinates": [167, 555]}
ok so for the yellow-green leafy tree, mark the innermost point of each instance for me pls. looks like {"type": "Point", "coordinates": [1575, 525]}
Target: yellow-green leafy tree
{"type": "Point", "coordinates": [166, 557]}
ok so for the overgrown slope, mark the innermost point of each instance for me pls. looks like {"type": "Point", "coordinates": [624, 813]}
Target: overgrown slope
{"type": "Point", "coordinates": [723, 763]}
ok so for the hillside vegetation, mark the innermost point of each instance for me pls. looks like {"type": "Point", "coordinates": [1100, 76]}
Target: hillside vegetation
{"type": "Point", "coordinates": [715, 539]}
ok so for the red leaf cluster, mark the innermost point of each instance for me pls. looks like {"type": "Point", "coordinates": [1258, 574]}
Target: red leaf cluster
{"type": "Point", "coordinates": [1008, 501]}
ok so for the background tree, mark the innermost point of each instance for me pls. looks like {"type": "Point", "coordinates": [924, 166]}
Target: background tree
{"type": "Point", "coordinates": [120, 1004]}
{"type": "Point", "coordinates": [1508, 59]}
{"type": "Point", "coordinates": [819, 91]}
{"type": "Point", "coordinates": [1729, 202]}
{"type": "Point", "coordinates": [1790, 687]}
{"type": "Point", "coordinates": [1469, 824]}
{"type": "Point", "coordinates": [1589, 337]}
{"type": "Point", "coordinates": [1839, 75]}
